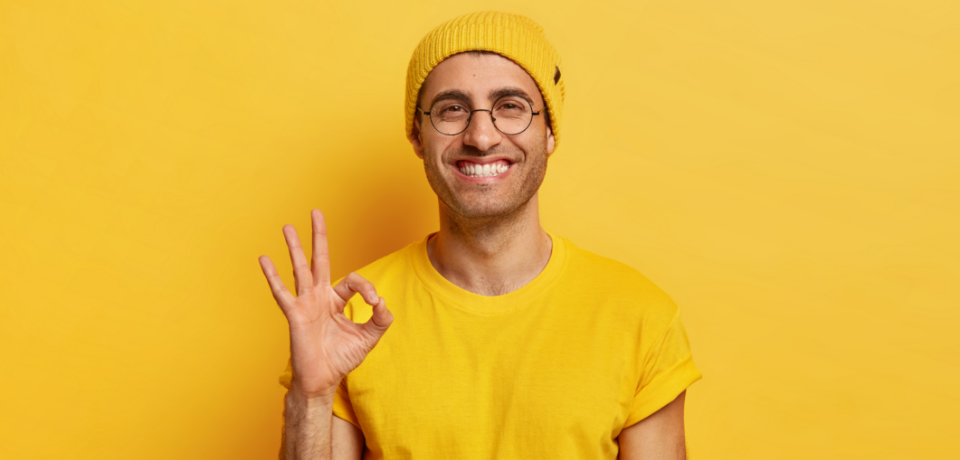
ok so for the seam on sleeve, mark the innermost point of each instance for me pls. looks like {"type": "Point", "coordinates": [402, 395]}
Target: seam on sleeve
{"type": "Point", "coordinates": [663, 389]}
{"type": "Point", "coordinates": [348, 421]}
{"type": "Point", "coordinates": [655, 346]}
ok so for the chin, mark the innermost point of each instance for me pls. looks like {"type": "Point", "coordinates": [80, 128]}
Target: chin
{"type": "Point", "coordinates": [486, 203]}
{"type": "Point", "coordinates": [486, 208]}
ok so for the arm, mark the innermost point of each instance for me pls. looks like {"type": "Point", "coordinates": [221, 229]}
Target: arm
{"type": "Point", "coordinates": [348, 440]}
{"type": "Point", "coordinates": [658, 437]}
{"type": "Point", "coordinates": [307, 424]}
{"type": "Point", "coordinates": [325, 346]}
{"type": "Point", "coordinates": [306, 421]}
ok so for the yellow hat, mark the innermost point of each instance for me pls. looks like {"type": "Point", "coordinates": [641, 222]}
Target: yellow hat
{"type": "Point", "coordinates": [515, 37]}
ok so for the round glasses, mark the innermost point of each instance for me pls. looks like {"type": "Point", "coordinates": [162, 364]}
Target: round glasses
{"type": "Point", "coordinates": [511, 115]}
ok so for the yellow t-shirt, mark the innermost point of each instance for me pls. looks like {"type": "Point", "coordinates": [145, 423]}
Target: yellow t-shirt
{"type": "Point", "coordinates": [555, 369]}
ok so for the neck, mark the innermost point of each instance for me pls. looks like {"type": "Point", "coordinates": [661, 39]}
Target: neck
{"type": "Point", "coordinates": [491, 256]}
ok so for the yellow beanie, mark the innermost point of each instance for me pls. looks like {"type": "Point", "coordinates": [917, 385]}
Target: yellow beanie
{"type": "Point", "coordinates": [515, 37]}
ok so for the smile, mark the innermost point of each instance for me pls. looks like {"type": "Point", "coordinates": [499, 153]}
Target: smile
{"type": "Point", "coordinates": [483, 170]}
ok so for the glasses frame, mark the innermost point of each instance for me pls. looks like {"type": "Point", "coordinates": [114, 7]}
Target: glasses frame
{"type": "Point", "coordinates": [492, 118]}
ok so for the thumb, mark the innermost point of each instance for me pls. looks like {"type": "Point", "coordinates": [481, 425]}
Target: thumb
{"type": "Point", "coordinates": [377, 325]}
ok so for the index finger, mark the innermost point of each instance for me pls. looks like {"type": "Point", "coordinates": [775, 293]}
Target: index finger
{"type": "Point", "coordinates": [279, 290]}
{"type": "Point", "coordinates": [321, 255]}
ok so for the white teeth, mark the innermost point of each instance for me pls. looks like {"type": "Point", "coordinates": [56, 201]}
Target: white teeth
{"type": "Point", "coordinates": [487, 170]}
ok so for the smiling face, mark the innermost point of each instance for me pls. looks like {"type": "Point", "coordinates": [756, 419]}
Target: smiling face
{"type": "Point", "coordinates": [481, 172]}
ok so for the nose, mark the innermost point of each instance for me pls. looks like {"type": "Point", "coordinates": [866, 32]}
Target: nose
{"type": "Point", "coordinates": [481, 133]}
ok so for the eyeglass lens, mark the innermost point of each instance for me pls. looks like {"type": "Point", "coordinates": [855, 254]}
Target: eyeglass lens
{"type": "Point", "coordinates": [511, 115]}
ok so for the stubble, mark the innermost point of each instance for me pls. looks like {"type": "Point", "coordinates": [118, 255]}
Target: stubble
{"type": "Point", "coordinates": [481, 202]}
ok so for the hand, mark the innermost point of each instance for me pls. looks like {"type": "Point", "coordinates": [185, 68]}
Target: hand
{"type": "Point", "coordinates": [325, 345]}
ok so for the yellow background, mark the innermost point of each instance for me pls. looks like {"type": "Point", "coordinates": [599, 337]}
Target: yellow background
{"type": "Point", "coordinates": [788, 171]}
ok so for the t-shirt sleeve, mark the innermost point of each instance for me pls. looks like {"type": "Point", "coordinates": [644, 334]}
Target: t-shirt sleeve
{"type": "Point", "coordinates": [667, 370]}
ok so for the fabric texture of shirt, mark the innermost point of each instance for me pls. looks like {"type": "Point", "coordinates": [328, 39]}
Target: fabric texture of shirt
{"type": "Point", "coordinates": [555, 369]}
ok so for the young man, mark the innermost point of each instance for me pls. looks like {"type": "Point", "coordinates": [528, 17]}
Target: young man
{"type": "Point", "coordinates": [505, 342]}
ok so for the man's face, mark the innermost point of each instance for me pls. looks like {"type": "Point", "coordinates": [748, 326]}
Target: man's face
{"type": "Point", "coordinates": [480, 79]}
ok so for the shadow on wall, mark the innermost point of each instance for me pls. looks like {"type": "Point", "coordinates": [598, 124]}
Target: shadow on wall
{"type": "Point", "coordinates": [389, 205]}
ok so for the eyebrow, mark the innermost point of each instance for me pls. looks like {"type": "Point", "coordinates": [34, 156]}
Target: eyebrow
{"type": "Point", "coordinates": [493, 95]}
{"type": "Point", "coordinates": [510, 91]}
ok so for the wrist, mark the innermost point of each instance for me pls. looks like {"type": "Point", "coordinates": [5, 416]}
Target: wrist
{"type": "Point", "coordinates": [315, 397]}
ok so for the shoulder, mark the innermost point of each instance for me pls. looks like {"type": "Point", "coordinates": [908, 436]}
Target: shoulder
{"type": "Point", "coordinates": [614, 281]}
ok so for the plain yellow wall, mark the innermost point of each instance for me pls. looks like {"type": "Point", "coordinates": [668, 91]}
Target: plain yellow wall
{"type": "Point", "coordinates": [788, 171]}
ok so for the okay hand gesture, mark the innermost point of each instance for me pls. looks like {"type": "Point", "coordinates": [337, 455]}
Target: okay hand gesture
{"type": "Point", "coordinates": [325, 345]}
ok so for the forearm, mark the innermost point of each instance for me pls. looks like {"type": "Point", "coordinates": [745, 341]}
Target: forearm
{"type": "Point", "coordinates": [306, 427]}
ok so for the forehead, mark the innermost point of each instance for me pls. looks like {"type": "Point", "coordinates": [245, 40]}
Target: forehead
{"type": "Point", "coordinates": [479, 76]}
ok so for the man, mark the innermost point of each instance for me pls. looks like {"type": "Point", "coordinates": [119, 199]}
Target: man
{"type": "Point", "coordinates": [505, 342]}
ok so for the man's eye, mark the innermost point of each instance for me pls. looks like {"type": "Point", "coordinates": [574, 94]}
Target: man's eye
{"type": "Point", "coordinates": [510, 105]}
{"type": "Point", "coordinates": [453, 109]}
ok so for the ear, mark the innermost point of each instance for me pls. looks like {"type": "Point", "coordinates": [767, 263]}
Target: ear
{"type": "Point", "coordinates": [551, 140]}
{"type": "Point", "coordinates": [415, 140]}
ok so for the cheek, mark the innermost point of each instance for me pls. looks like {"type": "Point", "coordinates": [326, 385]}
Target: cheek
{"type": "Point", "coordinates": [433, 150]}
{"type": "Point", "coordinates": [433, 161]}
